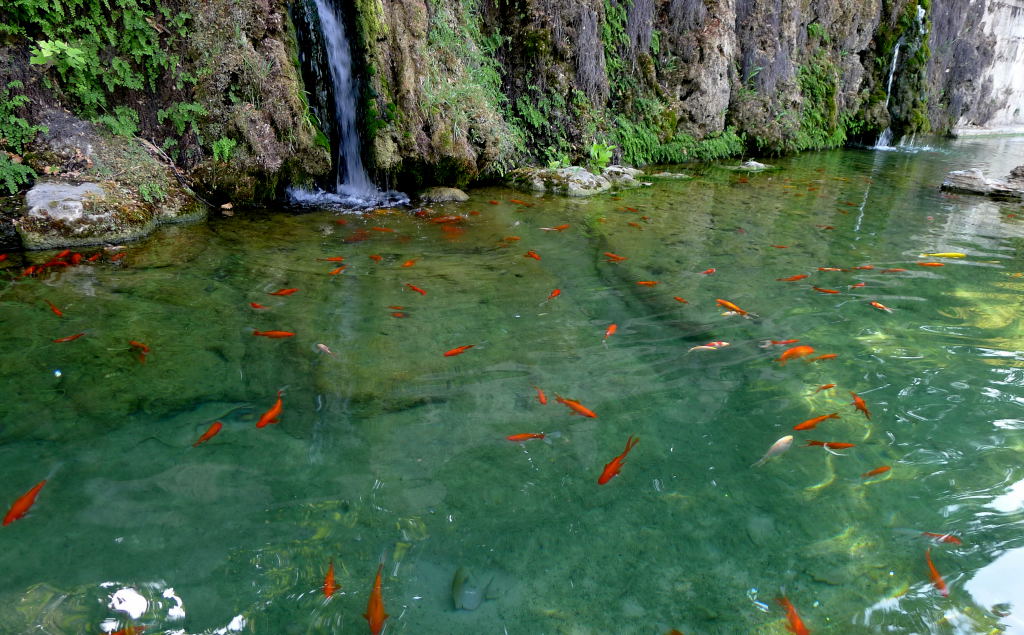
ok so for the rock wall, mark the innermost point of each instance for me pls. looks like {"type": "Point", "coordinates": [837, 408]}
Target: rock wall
{"type": "Point", "coordinates": [462, 89]}
{"type": "Point", "coordinates": [976, 72]}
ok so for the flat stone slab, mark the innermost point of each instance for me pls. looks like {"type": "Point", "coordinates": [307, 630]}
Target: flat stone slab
{"type": "Point", "coordinates": [622, 176]}
{"type": "Point", "coordinates": [60, 200]}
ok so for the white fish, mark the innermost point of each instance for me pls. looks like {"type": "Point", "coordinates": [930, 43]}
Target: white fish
{"type": "Point", "coordinates": [710, 346]}
{"type": "Point", "coordinates": [777, 448]}
{"type": "Point", "coordinates": [324, 348]}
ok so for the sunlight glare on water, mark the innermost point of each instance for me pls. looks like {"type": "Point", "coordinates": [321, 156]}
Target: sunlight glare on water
{"type": "Point", "coordinates": [387, 450]}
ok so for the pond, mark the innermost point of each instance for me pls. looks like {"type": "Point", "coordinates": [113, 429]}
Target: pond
{"type": "Point", "coordinates": [386, 450]}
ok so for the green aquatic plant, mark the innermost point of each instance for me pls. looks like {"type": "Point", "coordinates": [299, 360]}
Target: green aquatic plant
{"type": "Point", "coordinates": [600, 155]}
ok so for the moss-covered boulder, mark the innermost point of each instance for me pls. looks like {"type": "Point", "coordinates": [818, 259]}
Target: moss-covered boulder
{"type": "Point", "coordinates": [100, 188]}
{"type": "Point", "coordinates": [570, 181]}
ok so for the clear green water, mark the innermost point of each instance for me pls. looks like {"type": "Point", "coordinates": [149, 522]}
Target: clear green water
{"type": "Point", "coordinates": [388, 449]}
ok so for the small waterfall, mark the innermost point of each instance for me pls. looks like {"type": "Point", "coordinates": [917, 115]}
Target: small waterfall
{"type": "Point", "coordinates": [885, 139]}
{"type": "Point", "coordinates": [352, 187]}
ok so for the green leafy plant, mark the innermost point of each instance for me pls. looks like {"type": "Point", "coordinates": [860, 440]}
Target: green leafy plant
{"type": "Point", "coordinates": [222, 149]}
{"type": "Point", "coordinates": [124, 122]}
{"type": "Point", "coordinates": [152, 192]}
{"type": "Point", "coordinates": [182, 116]}
{"type": "Point", "coordinates": [15, 134]}
{"type": "Point", "coordinates": [600, 155]}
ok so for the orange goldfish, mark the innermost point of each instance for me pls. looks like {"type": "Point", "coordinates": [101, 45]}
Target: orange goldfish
{"type": "Point", "coordinates": [647, 283]}
{"type": "Point", "coordinates": [876, 471]}
{"type": "Point", "coordinates": [526, 436]}
{"type": "Point", "coordinates": [376, 257]}
{"type": "Point", "coordinates": [937, 580]}
{"type": "Point", "coordinates": [894, 270]}
{"type": "Point", "coordinates": [931, 264]}
{"type": "Point", "coordinates": [335, 272]}
{"type": "Point", "coordinates": [130, 630]}
{"type": "Point", "coordinates": [375, 614]}
{"type": "Point", "coordinates": [859, 404]}
{"type": "Point", "coordinates": [820, 290]}
{"type": "Point", "coordinates": [793, 353]}
{"type": "Point", "coordinates": [387, 230]}
{"type": "Point", "coordinates": [610, 330]}
{"type": "Point", "coordinates": [409, 263]}
{"type": "Point", "coordinates": [615, 465]}
{"type": "Point", "coordinates": [68, 338]}
{"type": "Point", "coordinates": [209, 434]}
{"type": "Point", "coordinates": [333, 259]}
{"type": "Point", "coordinates": [636, 225]}
{"type": "Point", "coordinates": [556, 228]}
{"type": "Point", "coordinates": [458, 350]}
{"type": "Point", "coordinates": [273, 334]}
{"type": "Point", "coordinates": [824, 387]}
{"type": "Point", "coordinates": [799, 276]}
{"type": "Point", "coordinates": [730, 306]}
{"type": "Point", "coordinates": [822, 357]}
{"type": "Point", "coordinates": [796, 625]}
{"type": "Point", "coordinates": [23, 504]}
{"type": "Point", "coordinates": [614, 257]}
{"type": "Point", "coordinates": [541, 397]}
{"type": "Point", "coordinates": [831, 445]}
{"type": "Point", "coordinates": [811, 423]}
{"type": "Point", "coordinates": [273, 415]}
{"type": "Point", "coordinates": [532, 254]}
{"type": "Point", "coordinates": [950, 538]}
{"type": "Point", "coordinates": [830, 269]}
{"type": "Point", "coordinates": [708, 272]}
{"type": "Point", "coordinates": [780, 247]}
{"type": "Point", "coordinates": [770, 343]}
{"type": "Point", "coordinates": [256, 305]}
{"type": "Point", "coordinates": [863, 267]}
{"type": "Point", "coordinates": [510, 239]}
{"type": "Point", "coordinates": [117, 257]}
{"type": "Point", "coordinates": [710, 346]}
{"type": "Point", "coordinates": [329, 586]}
{"type": "Point", "coordinates": [575, 406]}
{"type": "Point", "coordinates": [416, 289]}
{"type": "Point", "coordinates": [880, 306]}
{"type": "Point", "coordinates": [554, 294]}
{"type": "Point", "coordinates": [518, 202]}
{"type": "Point", "coordinates": [858, 285]}
{"type": "Point", "coordinates": [55, 310]}
{"type": "Point", "coordinates": [678, 299]}
{"type": "Point", "coordinates": [142, 348]}
{"type": "Point", "coordinates": [283, 292]}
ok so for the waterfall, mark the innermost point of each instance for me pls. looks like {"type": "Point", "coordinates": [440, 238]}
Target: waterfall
{"type": "Point", "coordinates": [885, 139]}
{"type": "Point", "coordinates": [352, 187]}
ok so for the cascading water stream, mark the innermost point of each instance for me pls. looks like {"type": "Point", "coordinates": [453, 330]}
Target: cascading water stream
{"type": "Point", "coordinates": [353, 187]}
{"type": "Point", "coordinates": [885, 139]}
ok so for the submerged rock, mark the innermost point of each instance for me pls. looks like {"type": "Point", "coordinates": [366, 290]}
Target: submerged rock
{"type": "Point", "coordinates": [443, 195]}
{"type": "Point", "coordinates": [571, 181]}
{"type": "Point", "coordinates": [467, 591]}
{"type": "Point", "coordinates": [750, 166]}
{"type": "Point", "coordinates": [973, 181]}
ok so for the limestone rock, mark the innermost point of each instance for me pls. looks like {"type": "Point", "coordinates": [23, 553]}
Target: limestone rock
{"type": "Point", "coordinates": [622, 176]}
{"type": "Point", "coordinates": [974, 182]}
{"type": "Point", "coordinates": [966, 181]}
{"type": "Point", "coordinates": [443, 195]}
{"type": "Point", "coordinates": [60, 200]}
{"type": "Point", "coordinates": [62, 214]}
{"type": "Point", "coordinates": [571, 181]}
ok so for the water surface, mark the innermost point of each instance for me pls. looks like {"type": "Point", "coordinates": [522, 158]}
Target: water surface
{"type": "Point", "coordinates": [389, 451]}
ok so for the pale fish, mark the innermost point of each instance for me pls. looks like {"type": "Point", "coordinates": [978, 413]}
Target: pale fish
{"type": "Point", "coordinates": [324, 348]}
{"type": "Point", "coordinates": [777, 448]}
{"type": "Point", "coordinates": [710, 346]}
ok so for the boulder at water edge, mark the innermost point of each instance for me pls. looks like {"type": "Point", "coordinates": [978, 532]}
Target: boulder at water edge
{"type": "Point", "coordinates": [571, 181]}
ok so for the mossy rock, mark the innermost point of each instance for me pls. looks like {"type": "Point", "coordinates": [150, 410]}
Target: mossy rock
{"type": "Point", "coordinates": [570, 181]}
